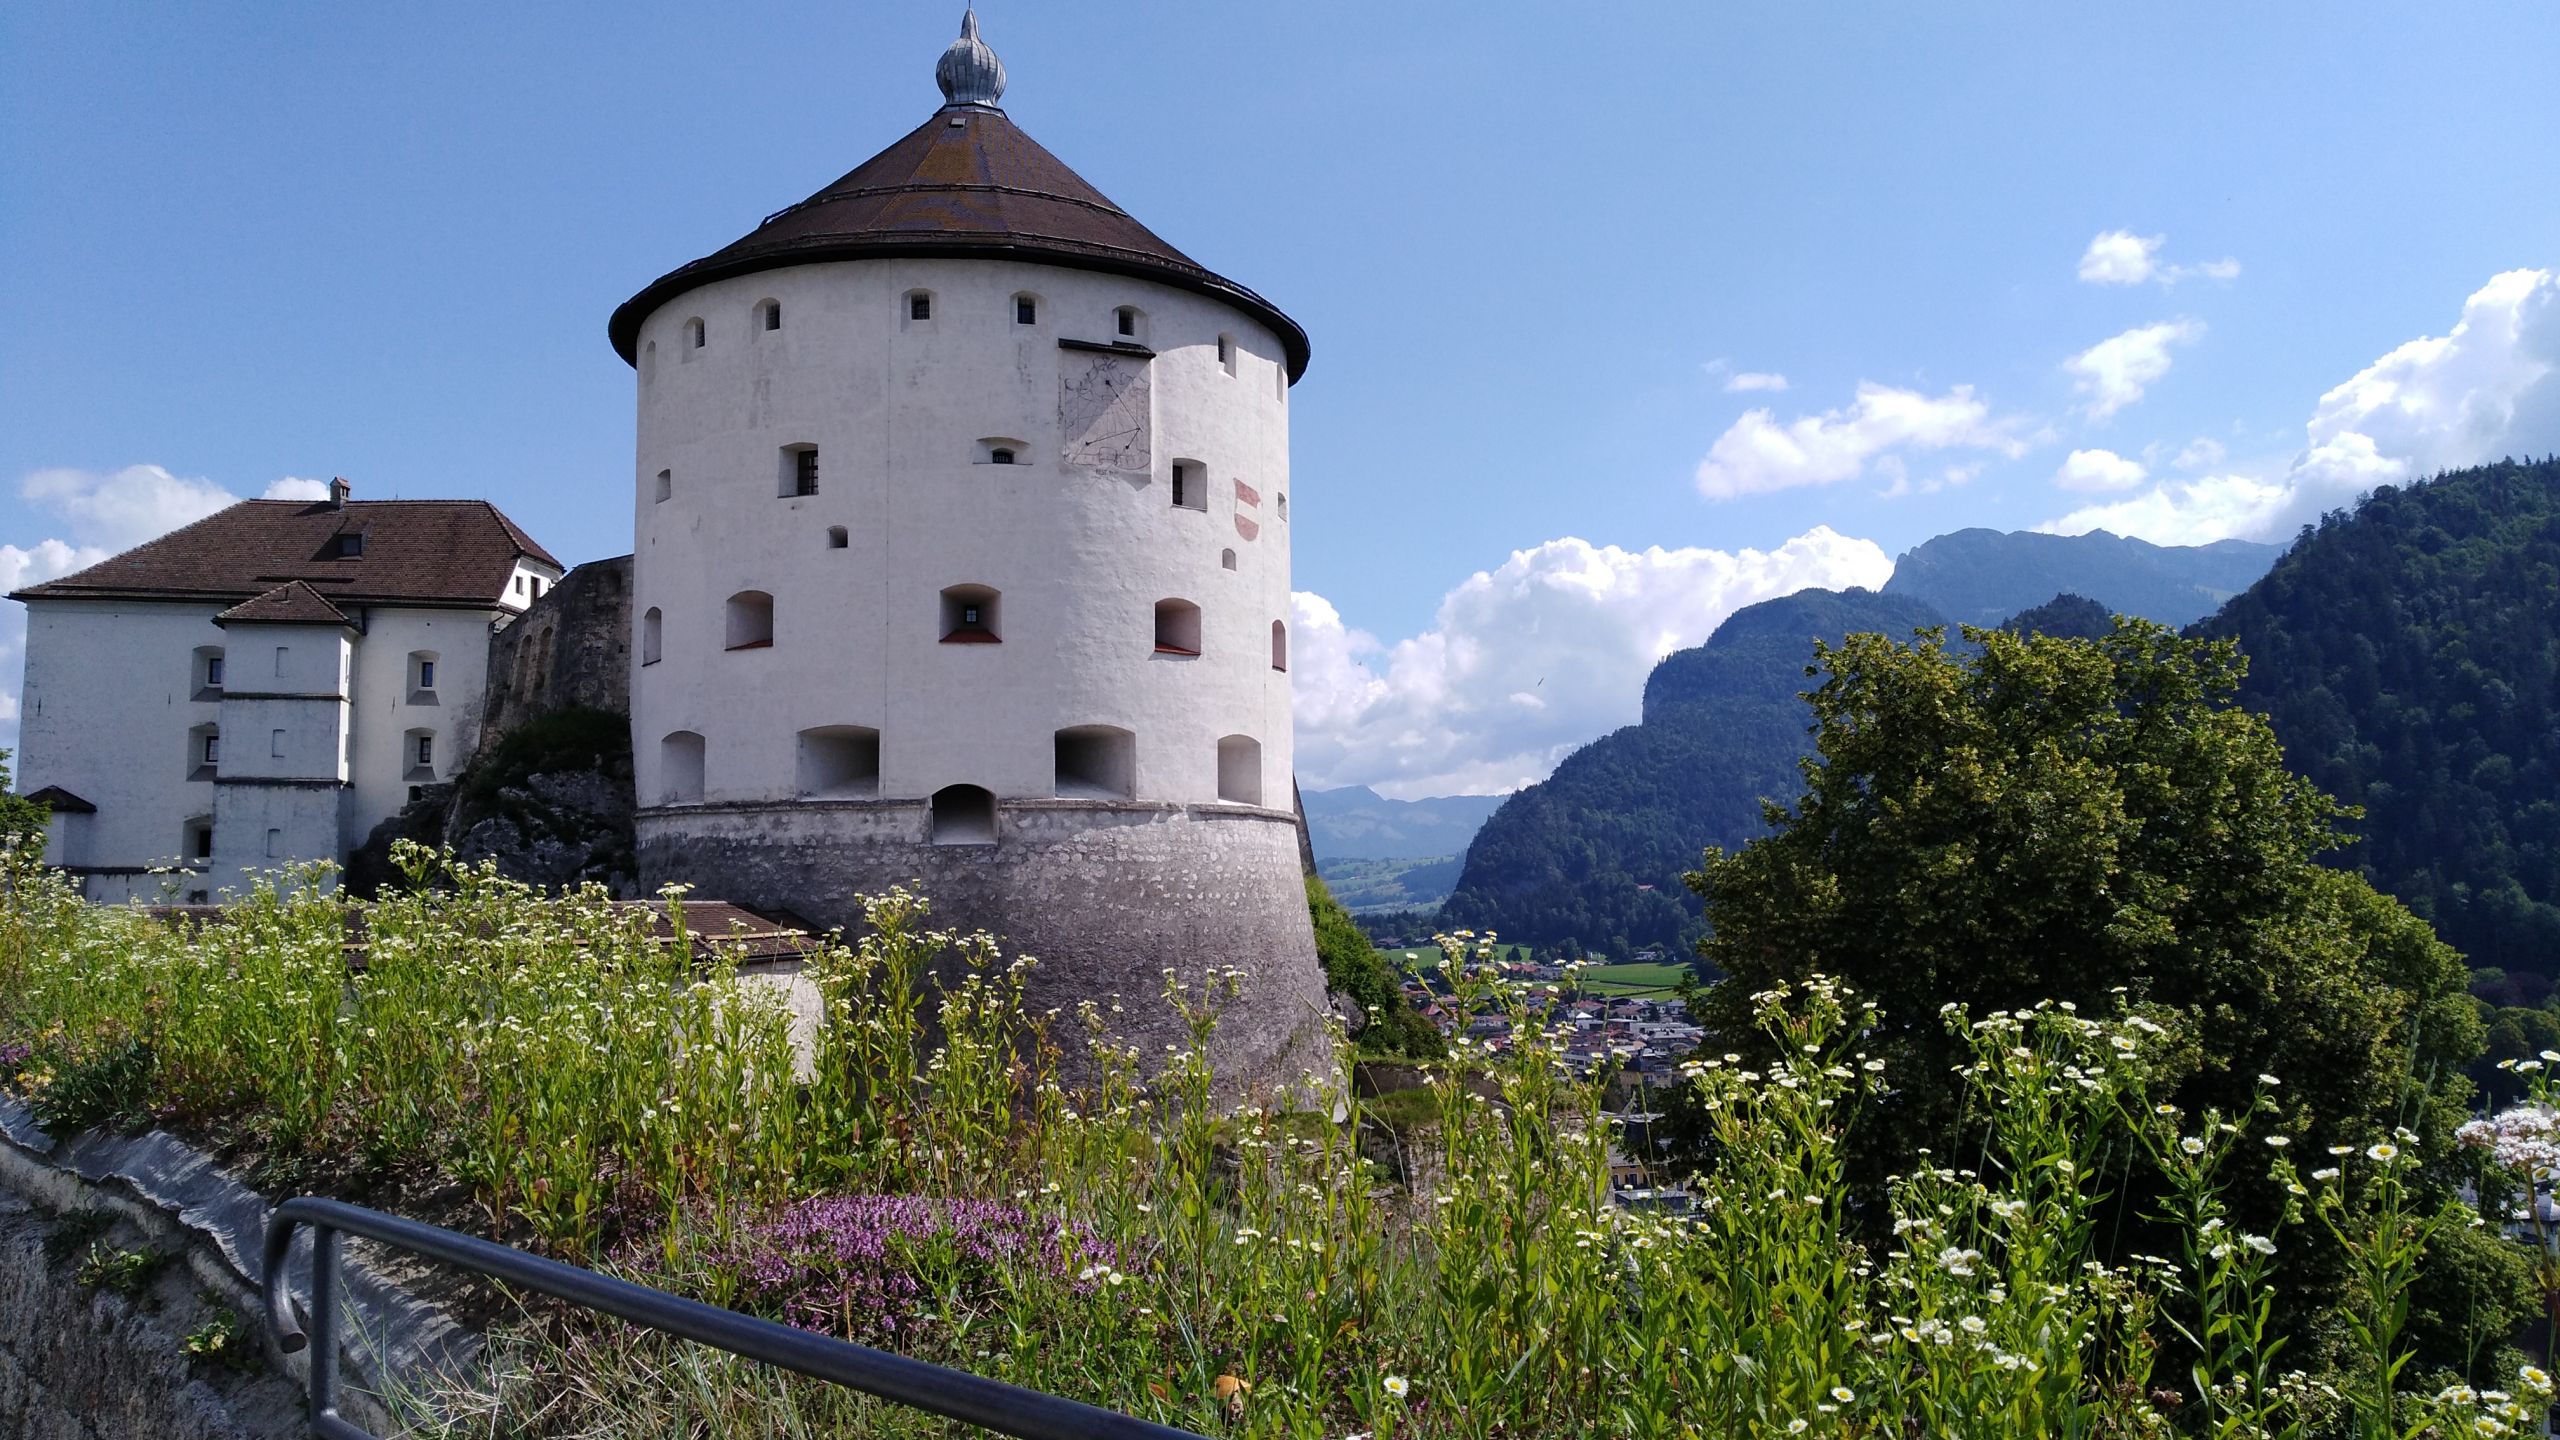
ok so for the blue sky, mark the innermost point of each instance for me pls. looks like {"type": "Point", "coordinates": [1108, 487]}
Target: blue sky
{"type": "Point", "coordinates": [1538, 249]}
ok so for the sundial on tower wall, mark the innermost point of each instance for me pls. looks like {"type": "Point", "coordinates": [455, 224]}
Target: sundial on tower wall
{"type": "Point", "coordinates": [1104, 411]}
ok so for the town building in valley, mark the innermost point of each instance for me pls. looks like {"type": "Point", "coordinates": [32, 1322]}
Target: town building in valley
{"type": "Point", "coordinates": [263, 686]}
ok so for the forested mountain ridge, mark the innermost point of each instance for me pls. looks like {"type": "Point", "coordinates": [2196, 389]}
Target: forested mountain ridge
{"type": "Point", "coordinates": [1982, 577]}
{"type": "Point", "coordinates": [2408, 654]}
{"type": "Point", "coordinates": [1595, 852]}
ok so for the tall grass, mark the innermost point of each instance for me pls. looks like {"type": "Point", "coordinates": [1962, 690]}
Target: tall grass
{"type": "Point", "coordinates": [1142, 1240]}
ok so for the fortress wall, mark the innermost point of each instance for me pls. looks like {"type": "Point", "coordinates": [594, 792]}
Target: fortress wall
{"type": "Point", "coordinates": [571, 647]}
{"type": "Point", "coordinates": [1104, 894]}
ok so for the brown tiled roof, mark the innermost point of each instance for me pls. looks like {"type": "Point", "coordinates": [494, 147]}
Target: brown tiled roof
{"type": "Point", "coordinates": [415, 552]}
{"type": "Point", "coordinates": [965, 184]}
{"type": "Point", "coordinates": [293, 603]}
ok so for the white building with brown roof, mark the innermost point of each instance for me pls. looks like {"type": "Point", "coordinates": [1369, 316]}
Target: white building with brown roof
{"type": "Point", "coordinates": [261, 687]}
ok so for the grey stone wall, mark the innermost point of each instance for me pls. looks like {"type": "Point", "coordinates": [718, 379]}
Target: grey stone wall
{"type": "Point", "coordinates": [77, 1364]}
{"type": "Point", "coordinates": [1105, 895]}
{"type": "Point", "coordinates": [572, 647]}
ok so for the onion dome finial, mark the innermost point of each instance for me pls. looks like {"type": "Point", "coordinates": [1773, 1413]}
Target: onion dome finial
{"type": "Point", "coordinates": [969, 73]}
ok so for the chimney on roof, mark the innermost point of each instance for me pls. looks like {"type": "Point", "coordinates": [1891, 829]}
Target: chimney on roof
{"type": "Point", "coordinates": [338, 488]}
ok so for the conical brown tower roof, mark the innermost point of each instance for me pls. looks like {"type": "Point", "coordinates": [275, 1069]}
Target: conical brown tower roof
{"type": "Point", "coordinates": [966, 184]}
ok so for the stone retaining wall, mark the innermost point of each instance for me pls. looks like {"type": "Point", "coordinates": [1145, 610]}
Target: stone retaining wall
{"type": "Point", "coordinates": [82, 1364]}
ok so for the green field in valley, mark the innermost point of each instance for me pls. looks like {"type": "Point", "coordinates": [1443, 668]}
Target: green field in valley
{"type": "Point", "coordinates": [1632, 981]}
{"type": "Point", "coordinates": [1643, 982]}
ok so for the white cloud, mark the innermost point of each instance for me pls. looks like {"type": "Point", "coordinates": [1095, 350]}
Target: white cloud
{"type": "Point", "coordinates": [1754, 380]}
{"type": "Point", "coordinates": [2099, 470]}
{"type": "Point", "coordinates": [2120, 257]}
{"type": "Point", "coordinates": [120, 509]}
{"type": "Point", "coordinates": [2482, 390]}
{"type": "Point", "coordinates": [2114, 372]}
{"type": "Point", "coordinates": [2186, 512]}
{"type": "Point", "coordinates": [104, 512]}
{"type": "Point", "coordinates": [2202, 453]}
{"type": "Point", "coordinates": [1527, 661]}
{"type": "Point", "coordinates": [1757, 454]}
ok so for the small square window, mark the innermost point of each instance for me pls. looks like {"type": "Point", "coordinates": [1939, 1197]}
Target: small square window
{"type": "Point", "coordinates": [919, 306]}
{"type": "Point", "coordinates": [999, 456]}
{"type": "Point", "coordinates": [350, 545]}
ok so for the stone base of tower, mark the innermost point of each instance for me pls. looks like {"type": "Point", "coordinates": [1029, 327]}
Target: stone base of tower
{"type": "Point", "coordinates": [1106, 895]}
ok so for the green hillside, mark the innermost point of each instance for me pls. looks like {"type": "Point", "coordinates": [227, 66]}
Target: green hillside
{"type": "Point", "coordinates": [1595, 852]}
{"type": "Point", "coordinates": [2408, 654]}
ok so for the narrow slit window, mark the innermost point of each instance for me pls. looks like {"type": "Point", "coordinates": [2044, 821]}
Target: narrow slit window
{"type": "Point", "coordinates": [799, 471]}
{"type": "Point", "coordinates": [652, 626]}
{"type": "Point", "coordinates": [1026, 310]}
{"type": "Point", "coordinates": [694, 332]}
{"type": "Point", "coordinates": [666, 486]}
{"type": "Point", "coordinates": [1177, 628]}
{"type": "Point", "coordinates": [1227, 353]}
{"type": "Point", "coordinates": [769, 315]}
{"type": "Point", "coordinates": [1125, 321]}
{"type": "Point", "coordinates": [1240, 769]}
{"type": "Point", "coordinates": [970, 616]}
{"type": "Point", "coordinates": [750, 620]}
{"type": "Point", "coordinates": [1190, 485]}
{"type": "Point", "coordinates": [1279, 645]}
{"type": "Point", "coordinates": [964, 815]}
{"type": "Point", "coordinates": [426, 750]}
{"type": "Point", "coordinates": [680, 767]}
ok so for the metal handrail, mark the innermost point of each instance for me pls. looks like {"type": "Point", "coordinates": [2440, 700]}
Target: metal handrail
{"type": "Point", "coordinates": [953, 1394]}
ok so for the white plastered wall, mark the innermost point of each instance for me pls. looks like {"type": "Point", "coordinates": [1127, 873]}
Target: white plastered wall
{"type": "Point", "coordinates": [898, 410]}
{"type": "Point", "coordinates": [106, 713]}
{"type": "Point", "coordinates": [389, 710]}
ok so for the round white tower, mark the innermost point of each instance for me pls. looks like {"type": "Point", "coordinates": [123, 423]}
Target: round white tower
{"type": "Point", "coordinates": [962, 558]}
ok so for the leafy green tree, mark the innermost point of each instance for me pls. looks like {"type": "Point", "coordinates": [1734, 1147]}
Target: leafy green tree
{"type": "Point", "coordinates": [22, 820]}
{"type": "Point", "coordinates": [2096, 823]}
{"type": "Point", "coordinates": [1353, 968]}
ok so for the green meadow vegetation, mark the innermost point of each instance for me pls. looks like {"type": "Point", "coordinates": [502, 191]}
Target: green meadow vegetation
{"type": "Point", "coordinates": [1147, 1242]}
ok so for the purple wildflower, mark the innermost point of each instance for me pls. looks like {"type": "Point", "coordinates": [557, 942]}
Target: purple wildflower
{"type": "Point", "coordinates": [858, 1266]}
